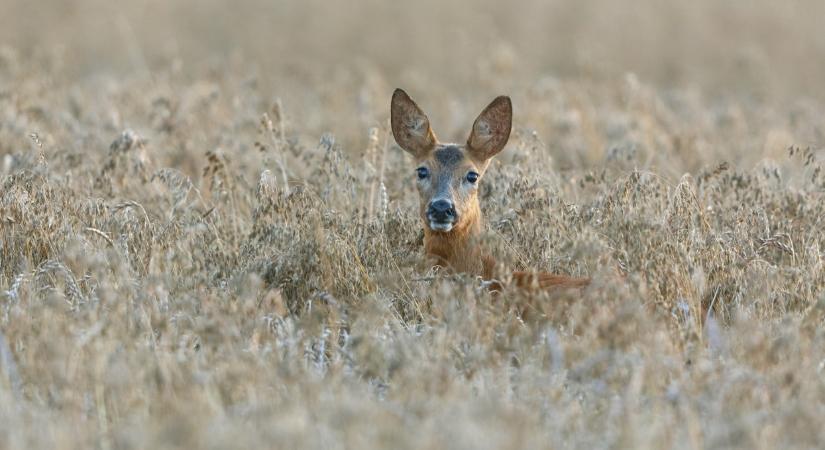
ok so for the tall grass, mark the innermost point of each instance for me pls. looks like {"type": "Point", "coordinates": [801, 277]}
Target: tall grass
{"type": "Point", "coordinates": [192, 258]}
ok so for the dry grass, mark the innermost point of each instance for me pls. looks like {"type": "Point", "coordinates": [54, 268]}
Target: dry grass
{"type": "Point", "coordinates": [205, 245]}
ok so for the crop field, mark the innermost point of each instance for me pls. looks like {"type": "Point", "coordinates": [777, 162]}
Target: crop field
{"type": "Point", "coordinates": [210, 239]}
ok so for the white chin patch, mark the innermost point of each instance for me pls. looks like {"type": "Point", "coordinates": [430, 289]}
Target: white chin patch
{"type": "Point", "coordinates": [440, 226]}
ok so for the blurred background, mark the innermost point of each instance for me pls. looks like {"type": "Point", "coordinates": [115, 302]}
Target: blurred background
{"type": "Point", "coordinates": [761, 47]}
{"type": "Point", "coordinates": [333, 64]}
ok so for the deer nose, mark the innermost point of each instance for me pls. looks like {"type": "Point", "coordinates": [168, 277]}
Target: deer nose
{"type": "Point", "coordinates": [441, 210]}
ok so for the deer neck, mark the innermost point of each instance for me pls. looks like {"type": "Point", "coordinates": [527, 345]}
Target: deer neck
{"type": "Point", "coordinates": [458, 249]}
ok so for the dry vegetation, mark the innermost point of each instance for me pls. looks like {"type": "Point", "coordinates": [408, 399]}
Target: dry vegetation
{"type": "Point", "coordinates": [208, 238]}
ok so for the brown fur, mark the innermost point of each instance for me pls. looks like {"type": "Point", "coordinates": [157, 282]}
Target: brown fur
{"type": "Point", "coordinates": [447, 166]}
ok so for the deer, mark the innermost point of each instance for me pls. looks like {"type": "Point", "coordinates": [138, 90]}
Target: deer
{"type": "Point", "coordinates": [447, 177]}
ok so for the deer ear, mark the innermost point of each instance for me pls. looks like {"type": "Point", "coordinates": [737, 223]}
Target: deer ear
{"type": "Point", "coordinates": [491, 130]}
{"type": "Point", "coordinates": [410, 126]}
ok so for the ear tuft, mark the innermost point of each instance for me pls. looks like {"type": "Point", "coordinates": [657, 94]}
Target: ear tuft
{"type": "Point", "coordinates": [410, 126]}
{"type": "Point", "coordinates": [491, 130]}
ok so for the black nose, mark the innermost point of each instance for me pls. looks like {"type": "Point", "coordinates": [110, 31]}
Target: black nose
{"type": "Point", "coordinates": [441, 211]}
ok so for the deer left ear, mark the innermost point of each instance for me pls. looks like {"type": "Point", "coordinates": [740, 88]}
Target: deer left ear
{"type": "Point", "coordinates": [410, 126]}
{"type": "Point", "coordinates": [491, 130]}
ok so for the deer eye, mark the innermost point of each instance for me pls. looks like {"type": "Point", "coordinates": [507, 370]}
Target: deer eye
{"type": "Point", "coordinates": [422, 173]}
{"type": "Point", "coordinates": [472, 177]}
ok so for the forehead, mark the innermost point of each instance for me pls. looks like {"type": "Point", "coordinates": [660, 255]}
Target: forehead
{"type": "Point", "coordinates": [449, 155]}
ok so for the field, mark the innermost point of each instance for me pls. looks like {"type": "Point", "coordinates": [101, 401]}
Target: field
{"type": "Point", "coordinates": [209, 239]}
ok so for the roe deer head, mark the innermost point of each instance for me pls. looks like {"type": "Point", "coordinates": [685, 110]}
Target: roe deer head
{"type": "Point", "coordinates": [448, 176]}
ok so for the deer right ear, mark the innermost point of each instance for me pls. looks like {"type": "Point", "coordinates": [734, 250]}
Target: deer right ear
{"type": "Point", "coordinates": [491, 129]}
{"type": "Point", "coordinates": [410, 125]}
